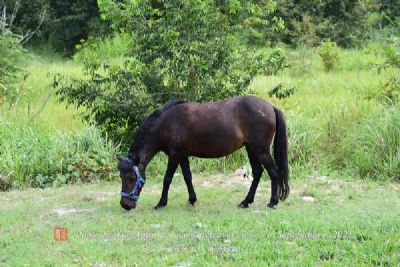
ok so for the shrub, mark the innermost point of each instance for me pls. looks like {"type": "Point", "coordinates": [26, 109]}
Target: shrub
{"type": "Point", "coordinates": [97, 51]}
{"type": "Point", "coordinates": [390, 91]}
{"type": "Point", "coordinates": [329, 53]}
{"type": "Point", "coordinates": [276, 62]}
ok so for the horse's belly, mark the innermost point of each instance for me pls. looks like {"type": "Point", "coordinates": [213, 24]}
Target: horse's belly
{"type": "Point", "coordinates": [212, 148]}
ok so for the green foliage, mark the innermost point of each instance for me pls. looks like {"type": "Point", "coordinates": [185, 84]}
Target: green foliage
{"type": "Point", "coordinates": [345, 22]}
{"type": "Point", "coordinates": [34, 155]}
{"type": "Point", "coordinates": [180, 49]}
{"type": "Point", "coordinates": [280, 92]}
{"type": "Point", "coordinates": [389, 12]}
{"type": "Point", "coordinates": [392, 54]}
{"type": "Point", "coordinates": [12, 57]}
{"type": "Point", "coordinates": [390, 91]}
{"type": "Point", "coordinates": [97, 51]}
{"type": "Point", "coordinates": [71, 22]}
{"type": "Point", "coordinates": [62, 23]}
{"type": "Point", "coordinates": [258, 22]}
{"type": "Point", "coordinates": [329, 53]}
{"type": "Point", "coordinates": [276, 62]}
{"type": "Point", "coordinates": [29, 15]}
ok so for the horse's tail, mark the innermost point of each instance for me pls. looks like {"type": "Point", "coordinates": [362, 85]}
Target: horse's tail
{"type": "Point", "coordinates": [280, 154]}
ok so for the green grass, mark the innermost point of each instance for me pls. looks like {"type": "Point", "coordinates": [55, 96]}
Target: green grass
{"type": "Point", "coordinates": [351, 223]}
{"type": "Point", "coordinates": [35, 154]}
{"type": "Point", "coordinates": [334, 120]}
{"type": "Point", "coordinates": [38, 100]}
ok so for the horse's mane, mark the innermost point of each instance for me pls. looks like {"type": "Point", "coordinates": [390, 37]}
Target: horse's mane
{"type": "Point", "coordinates": [148, 123]}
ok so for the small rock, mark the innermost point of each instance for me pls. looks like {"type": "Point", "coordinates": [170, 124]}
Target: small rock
{"type": "Point", "coordinates": [199, 225]}
{"type": "Point", "coordinates": [308, 199]}
{"type": "Point", "coordinates": [155, 225]}
{"type": "Point", "coordinates": [241, 172]}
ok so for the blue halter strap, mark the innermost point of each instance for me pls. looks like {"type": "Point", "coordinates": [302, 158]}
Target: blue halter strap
{"type": "Point", "coordinates": [139, 184]}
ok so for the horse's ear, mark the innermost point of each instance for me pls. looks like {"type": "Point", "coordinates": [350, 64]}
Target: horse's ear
{"type": "Point", "coordinates": [120, 157]}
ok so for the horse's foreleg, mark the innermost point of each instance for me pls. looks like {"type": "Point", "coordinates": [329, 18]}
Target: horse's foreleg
{"type": "Point", "coordinates": [173, 163]}
{"type": "Point", "coordinates": [187, 175]}
{"type": "Point", "coordinates": [257, 171]}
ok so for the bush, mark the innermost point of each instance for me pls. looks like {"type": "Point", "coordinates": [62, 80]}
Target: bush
{"type": "Point", "coordinates": [390, 91]}
{"type": "Point", "coordinates": [37, 156]}
{"type": "Point", "coordinates": [97, 51]}
{"type": "Point", "coordinates": [276, 62]}
{"type": "Point", "coordinates": [329, 53]}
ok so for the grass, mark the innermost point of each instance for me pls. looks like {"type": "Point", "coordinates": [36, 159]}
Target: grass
{"type": "Point", "coordinates": [351, 223]}
{"type": "Point", "coordinates": [34, 154]}
{"type": "Point", "coordinates": [332, 113]}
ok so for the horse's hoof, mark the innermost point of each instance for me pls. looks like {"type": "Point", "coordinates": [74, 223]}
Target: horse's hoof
{"type": "Point", "coordinates": [243, 205]}
{"type": "Point", "coordinates": [159, 206]}
{"type": "Point", "coordinates": [192, 201]}
{"type": "Point", "coordinates": [271, 206]}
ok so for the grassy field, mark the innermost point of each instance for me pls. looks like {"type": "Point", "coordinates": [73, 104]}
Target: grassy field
{"type": "Point", "coordinates": [340, 134]}
{"type": "Point", "coordinates": [350, 223]}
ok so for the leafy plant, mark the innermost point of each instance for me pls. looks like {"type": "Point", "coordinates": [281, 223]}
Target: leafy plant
{"type": "Point", "coordinates": [179, 49]}
{"type": "Point", "coordinates": [280, 92]}
{"type": "Point", "coordinates": [390, 91]}
{"type": "Point", "coordinates": [329, 52]}
{"type": "Point", "coordinates": [276, 62]}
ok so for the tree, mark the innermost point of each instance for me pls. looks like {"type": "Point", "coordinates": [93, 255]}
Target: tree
{"type": "Point", "coordinates": [181, 49]}
{"type": "Point", "coordinates": [11, 57]}
{"type": "Point", "coordinates": [345, 22]}
{"type": "Point", "coordinates": [71, 21]}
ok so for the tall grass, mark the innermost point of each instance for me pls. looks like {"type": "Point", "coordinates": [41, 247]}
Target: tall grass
{"type": "Point", "coordinates": [334, 124]}
{"type": "Point", "coordinates": [375, 147]}
{"type": "Point", "coordinates": [33, 154]}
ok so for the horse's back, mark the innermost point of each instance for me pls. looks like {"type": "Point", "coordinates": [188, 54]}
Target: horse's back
{"type": "Point", "coordinates": [217, 129]}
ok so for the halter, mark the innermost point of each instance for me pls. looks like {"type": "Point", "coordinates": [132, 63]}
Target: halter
{"type": "Point", "coordinates": [139, 184]}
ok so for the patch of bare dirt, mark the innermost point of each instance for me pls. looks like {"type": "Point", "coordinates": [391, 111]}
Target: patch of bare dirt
{"type": "Point", "coordinates": [69, 211]}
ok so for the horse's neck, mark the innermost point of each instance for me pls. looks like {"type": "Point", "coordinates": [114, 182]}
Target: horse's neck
{"type": "Point", "coordinates": [146, 153]}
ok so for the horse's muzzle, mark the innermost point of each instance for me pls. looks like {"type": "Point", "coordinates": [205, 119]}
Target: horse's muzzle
{"type": "Point", "coordinates": [127, 204]}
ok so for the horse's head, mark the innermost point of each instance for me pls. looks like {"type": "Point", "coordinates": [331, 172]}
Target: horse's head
{"type": "Point", "coordinates": [132, 182]}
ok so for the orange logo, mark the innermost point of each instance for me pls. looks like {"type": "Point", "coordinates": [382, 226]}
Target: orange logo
{"type": "Point", "coordinates": [60, 234]}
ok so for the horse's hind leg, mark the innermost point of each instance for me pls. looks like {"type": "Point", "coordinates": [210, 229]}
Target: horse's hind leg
{"type": "Point", "coordinates": [272, 170]}
{"type": "Point", "coordinates": [257, 171]}
{"type": "Point", "coordinates": [187, 175]}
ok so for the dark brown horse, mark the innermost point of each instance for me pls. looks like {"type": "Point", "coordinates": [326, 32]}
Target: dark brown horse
{"type": "Point", "coordinates": [210, 130]}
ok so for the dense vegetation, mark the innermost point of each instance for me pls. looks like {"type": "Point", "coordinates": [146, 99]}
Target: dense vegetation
{"type": "Point", "coordinates": [333, 69]}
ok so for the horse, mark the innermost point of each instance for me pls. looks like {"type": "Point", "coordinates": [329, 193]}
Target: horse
{"type": "Point", "coordinates": [208, 130]}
